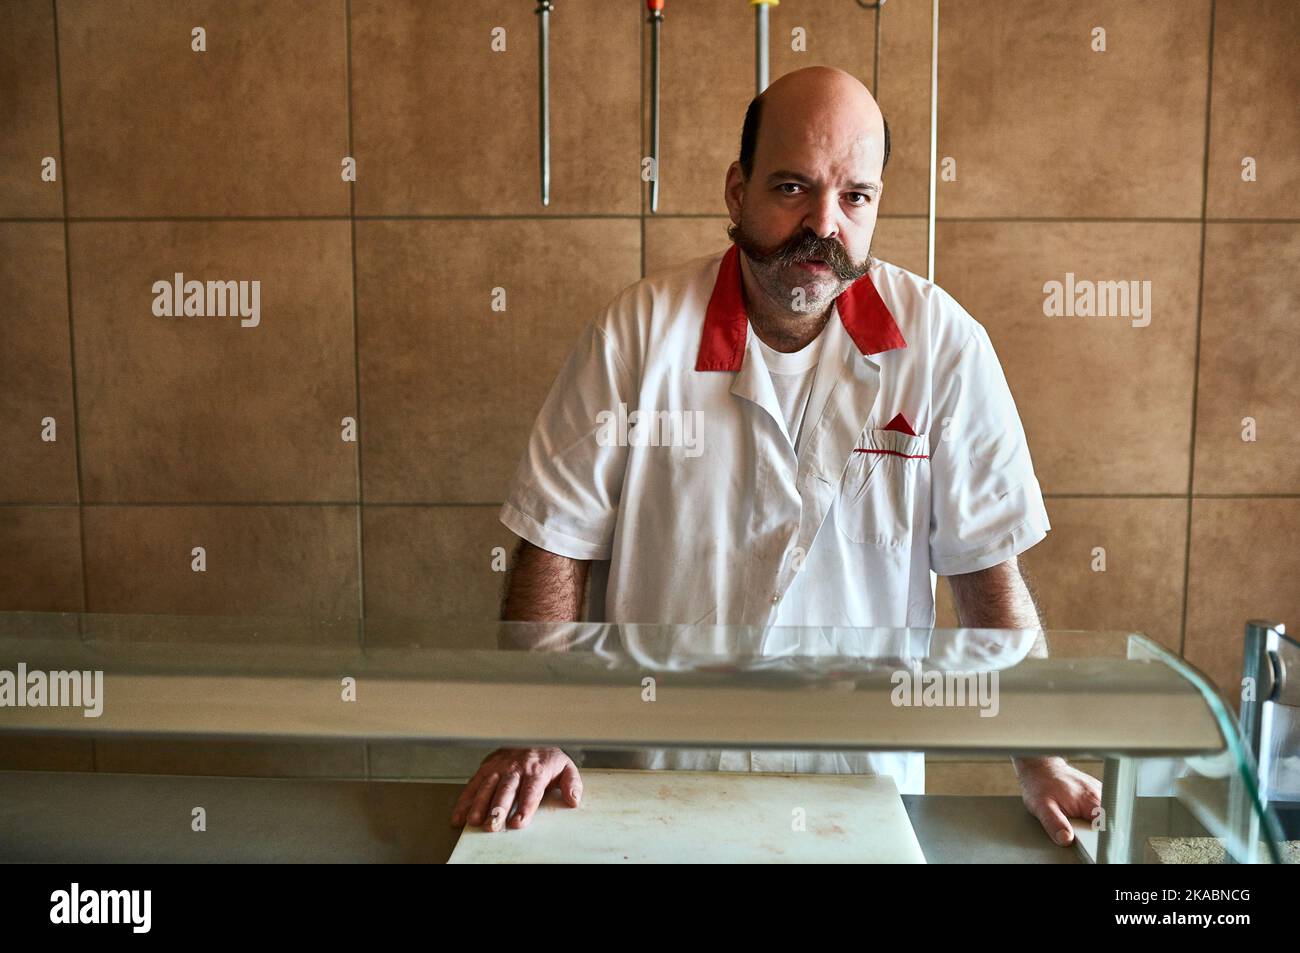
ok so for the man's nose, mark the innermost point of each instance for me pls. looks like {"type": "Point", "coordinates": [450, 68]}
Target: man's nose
{"type": "Point", "coordinates": [823, 216]}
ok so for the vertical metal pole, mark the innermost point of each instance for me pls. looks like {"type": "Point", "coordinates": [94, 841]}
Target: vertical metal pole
{"type": "Point", "coordinates": [934, 134]}
{"type": "Point", "coordinates": [656, 25]}
{"type": "Point", "coordinates": [1118, 804]}
{"type": "Point", "coordinates": [875, 57]}
{"type": "Point", "coordinates": [760, 45]}
{"type": "Point", "coordinates": [1257, 665]}
{"type": "Point", "coordinates": [543, 11]}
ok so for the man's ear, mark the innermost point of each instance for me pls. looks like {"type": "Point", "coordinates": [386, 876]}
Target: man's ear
{"type": "Point", "coordinates": [734, 191]}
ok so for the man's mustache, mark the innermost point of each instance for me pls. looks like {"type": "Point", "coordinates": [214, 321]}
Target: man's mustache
{"type": "Point", "coordinates": [803, 247]}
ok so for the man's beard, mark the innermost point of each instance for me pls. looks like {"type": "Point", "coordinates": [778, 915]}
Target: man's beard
{"type": "Point", "coordinates": [806, 246]}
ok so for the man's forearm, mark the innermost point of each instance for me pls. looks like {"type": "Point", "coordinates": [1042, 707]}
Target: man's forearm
{"type": "Point", "coordinates": [999, 598]}
{"type": "Point", "coordinates": [543, 586]}
{"type": "Point", "coordinates": [995, 598]}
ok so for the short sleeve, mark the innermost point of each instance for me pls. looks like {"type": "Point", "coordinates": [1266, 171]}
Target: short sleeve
{"type": "Point", "coordinates": [986, 504]}
{"type": "Point", "coordinates": [565, 493]}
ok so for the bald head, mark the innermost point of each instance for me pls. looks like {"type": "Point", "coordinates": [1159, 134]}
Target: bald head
{"type": "Point", "coordinates": [818, 108]}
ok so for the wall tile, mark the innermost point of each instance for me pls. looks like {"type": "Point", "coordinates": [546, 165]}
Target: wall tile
{"type": "Point", "coordinates": [450, 388]}
{"type": "Point", "coordinates": [1141, 587]}
{"type": "Point", "coordinates": [256, 125]}
{"type": "Point", "coordinates": [904, 96]}
{"type": "Point", "coordinates": [35, 367]}
{"type": "Point", "coordinates": [1248, 323]}
{"type": "Point", "coordinates": [203, 409]}
{"type": "Point", "coordinates": [1244, 565]}
{"type": "Point", "coordinates": [40, 559]}
{"type": "Point", "coordinates": [704, 95]}
{"type": "Point", "coordinates": [261, 560]}
{"type": "Point", "coordinates": [902, 242]}
{"type": "Point", "coordinates": [29, 103]}
{"type": "Point", "coordinates": [443, 125]}
{"type": "Point", "coordinates": [1106, 405]}
{"type": "Point", "coordinates": [834, 37]}
{"type": "Point", "coordinates": [430, 574]}
{"type": "Point", "coordinates": [1256, 88]}
{"type": "Point", "coordinates": [708, 81]}
{"type": "Point", "coordinates": [1041, 125]}
{"type": "Point", "coordinates": [673, 241]}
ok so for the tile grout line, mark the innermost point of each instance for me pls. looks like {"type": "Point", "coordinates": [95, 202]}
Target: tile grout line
{"type": "Point", "coordinates": [356, 366]}
{"type": "Point", "coordinates": [67, 277]}
{"type": "Point", "coordinates": [356, 369]}
{"type": "Point", "coordinates": [413, 216]}
{"type": "Point", "coordinates": [1196, 358]}
{"type": "Point", "coordinates": [72, 348]}
{"type": "Point", "coordinates": [356, 359]}
{"type": "Point", "coordinates": [633, 216]}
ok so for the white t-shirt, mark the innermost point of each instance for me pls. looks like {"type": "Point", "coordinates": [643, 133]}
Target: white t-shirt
{"type": "Point", "coordinates": [792, 376]}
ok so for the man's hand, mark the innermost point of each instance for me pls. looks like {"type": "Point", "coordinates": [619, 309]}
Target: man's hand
{"type": "Point", "coordinates": [1053, 792]}
{"type": "Point", "coordinates": [510, 776]}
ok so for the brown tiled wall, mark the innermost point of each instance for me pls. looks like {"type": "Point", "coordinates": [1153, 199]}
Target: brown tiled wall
{"type": "Point", "coordinates": [1116, 165]}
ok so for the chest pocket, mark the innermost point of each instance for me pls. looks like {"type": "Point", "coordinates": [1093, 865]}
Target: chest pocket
{"type": "Point", "coordinates": [878, 494]}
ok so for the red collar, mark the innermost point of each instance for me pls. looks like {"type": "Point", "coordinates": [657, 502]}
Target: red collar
{"type": "Point", "coordinates": [722, 347]}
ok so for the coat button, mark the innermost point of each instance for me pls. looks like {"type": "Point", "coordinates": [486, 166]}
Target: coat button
{"type": "Point", "coordinates": [776, 597]}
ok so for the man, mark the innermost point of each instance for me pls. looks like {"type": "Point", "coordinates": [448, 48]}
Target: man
{"type": "Point", "coordinates": [814, 432]}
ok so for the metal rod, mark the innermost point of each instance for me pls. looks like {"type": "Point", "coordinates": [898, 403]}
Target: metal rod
{"type": "Point", "coordinates": [934, 134]}
{"type": "Point", "coordinates": [875, 60]}
{"type": "Point", "coordinates": [1118, 799]}
{"type": "Point", "coordinates": [1258, 668]}
{"type": "Point", "coordinates": [1261, 665]}
{"type": "Point", "coordinates": [656, 8]}
{"type": "Point", "coordinates": [760, 44]}
{"type": "Point", "coordinates": [875, 57]}
{"type": "Point", "coordinates": [543, 11]}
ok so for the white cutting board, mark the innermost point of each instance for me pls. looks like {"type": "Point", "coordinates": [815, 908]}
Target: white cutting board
{"type": "Point", "coordinates": [709, 817]}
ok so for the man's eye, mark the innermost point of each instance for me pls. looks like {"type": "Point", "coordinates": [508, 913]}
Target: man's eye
{"type": "Point", "coordinates": [789, 185]}
{"type": "Point", "coordinates": [863, 195]}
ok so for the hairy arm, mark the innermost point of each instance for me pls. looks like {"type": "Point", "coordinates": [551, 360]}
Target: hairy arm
{"type": "Point", "coordinates": [540, 587]}
{"type": "Point", "coordinates": [543, 586]}
{"type": "Point", "coordinates": [997, 598]}
{"type": "Point", "coordinates": [1000, 598]}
